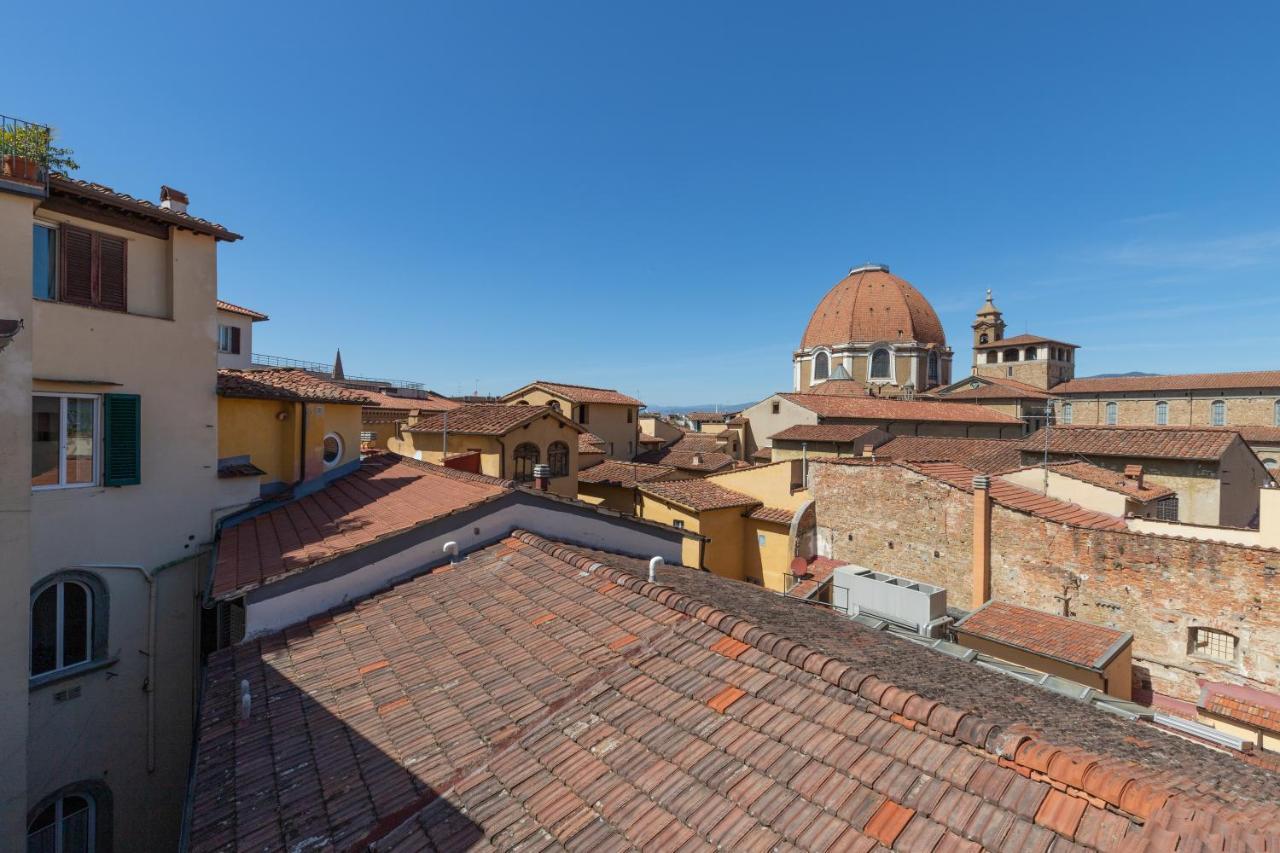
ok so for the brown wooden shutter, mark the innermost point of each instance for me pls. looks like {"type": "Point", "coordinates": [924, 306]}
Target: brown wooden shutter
{"type": "Point", "coordinates": [235, 340]}
{"type": "Point", "coordinates": [112, 272]}
{"type": "Point", "coordinates": [77, 265]}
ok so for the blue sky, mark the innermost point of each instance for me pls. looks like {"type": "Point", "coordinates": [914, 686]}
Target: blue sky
{"type": "Point", "coordinates": [654, 196]}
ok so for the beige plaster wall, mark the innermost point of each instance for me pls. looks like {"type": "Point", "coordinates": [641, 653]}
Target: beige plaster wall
{"type": "Point", "coordinates": [606, 420]}
{"type": "Point", "coordinates": [244, 359]}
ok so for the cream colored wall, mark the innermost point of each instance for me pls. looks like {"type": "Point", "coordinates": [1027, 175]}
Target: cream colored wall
{"type": "Point", "coordinates": [1196, 483]}
{"type": "Point", "coordinates": [764, 423]}
{"type": "Point", "coordinates": [244, 359]}
{"type": "Point", "coordinates": [1069, 489]}
{"type": "Point", "coordinates": [659, 428]}
{"type": "Point", "coordinates": [383, 431]}
{"type": "Point", "coordinates": [722, 554]}
{"type": "Point", "coordinates": [1242, 477]}
{"type": "Point", "coordinates": [603, 419]}
{"type": "Point", "coordinates": [769, 484]}
{"type": "Point", "coordinates": [1078, 674]}
{"type": "Point", "coordinates": [171, 363]}
{"type": "Point", "coordinates": [1260, 738]}
{"type": "Point", "coordinates": [427, 447]}
{"type": "Point", "coordinates": [15, 515]}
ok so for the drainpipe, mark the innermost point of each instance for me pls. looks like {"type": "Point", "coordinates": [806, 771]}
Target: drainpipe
{"type": "Point", "coordinates": [981, 540]}
{"type": "Point", "coordinates": [502, 459]}
{"type": "Point", "coordinates": [444, 447]}
{"type": "Point", "coordinates": [804, 462]}
{"type": "Point", "coordinates": [302, 442]}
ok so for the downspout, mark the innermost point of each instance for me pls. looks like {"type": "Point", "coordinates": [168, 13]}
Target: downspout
{"type": "Point", "coordinates": [444, 447]}
{"type": "Point", "coordinates": [502, 459]}
{"type": "Point", "coordinates": [302, 444]}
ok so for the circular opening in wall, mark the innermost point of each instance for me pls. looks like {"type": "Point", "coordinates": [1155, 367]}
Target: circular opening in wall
{"type": "Point", "coordinates": [332, 449]}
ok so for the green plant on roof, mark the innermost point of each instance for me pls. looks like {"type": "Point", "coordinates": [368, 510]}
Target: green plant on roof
{"type": "Point", "coordinates": [36, 143]}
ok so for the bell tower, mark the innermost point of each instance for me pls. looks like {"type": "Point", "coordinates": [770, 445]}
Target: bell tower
{"type": "Point", "coordinates": [989, 326]}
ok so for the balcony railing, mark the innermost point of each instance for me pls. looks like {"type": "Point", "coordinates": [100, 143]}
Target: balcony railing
{"type": "Point", "coordinates": [263, 360]}
{"type": "Point", "coordinates": [24, 154]}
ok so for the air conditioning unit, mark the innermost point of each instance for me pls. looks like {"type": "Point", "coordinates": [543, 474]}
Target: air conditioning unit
{"type": "Point", "coordinates": [911, 603]}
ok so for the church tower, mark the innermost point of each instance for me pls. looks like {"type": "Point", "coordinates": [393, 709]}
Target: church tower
{"type": "Point", "coordinates": [989, 327]}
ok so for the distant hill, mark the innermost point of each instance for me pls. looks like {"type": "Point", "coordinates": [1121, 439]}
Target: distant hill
{"type": "Point", "coordinates": [701, 407]}
{"type": "Point", "coordinates": [1117, 375]}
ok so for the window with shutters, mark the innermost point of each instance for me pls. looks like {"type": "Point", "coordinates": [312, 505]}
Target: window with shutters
{"type": "Point", "coordinates": [94, 269]}
{"type": "Point", "coordinates": [121, 439]}
{"type": "Point", "coordinates": [229, 339]}
{"type": "Point", "coordinates": [64, 440]}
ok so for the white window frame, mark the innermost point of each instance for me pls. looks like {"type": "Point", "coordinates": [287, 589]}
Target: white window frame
{"type": "Point", "coordinates": [892, 378]}
{"type": "Point", "coordinates": [91, 835]}
{"type": "Point", "coordinates": [60, 620]}
{"type": "Point", "coordinates": [1067, 413]}
{"type": "Point", "coordinates": [1162, 413]}
{"type": "Point", "coordinates": [1275, 414]}
{"type": "Point", "coordinates": [342, 449]}
{"type": "Point", "coordinates": [1111, 414]}
{"type": "Point", "coordinates": [813, 366]}
{"type": "Point", "coordinates": [62, 441]}
{"type": "Point", "coordinates": [1194, 643]}
{"type": "Point", "coordinates": [1218, 413]}
{"type": "Point", "coordinates": [224, 338]}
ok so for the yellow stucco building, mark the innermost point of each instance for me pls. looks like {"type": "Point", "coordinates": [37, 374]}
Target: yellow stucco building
{"type": "Point", "coordinates": [611, 415]}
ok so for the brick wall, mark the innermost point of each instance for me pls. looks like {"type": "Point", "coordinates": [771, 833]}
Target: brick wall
{"type": "Point", "coordinates": [1140, 409]}
{"type": "Point", "coordinates": [894, 520]}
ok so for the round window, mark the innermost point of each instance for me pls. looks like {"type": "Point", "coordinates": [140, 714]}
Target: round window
{"type": "Point", "coordinates": [332, 449]}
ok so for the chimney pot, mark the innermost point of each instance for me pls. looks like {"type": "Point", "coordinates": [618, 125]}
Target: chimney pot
{"type": "Point", "coordinates": [541, 476]}
{"type": "Point", "coordinates": [982, 481]}
{"type": "Point", "coordinates": [175, 200]}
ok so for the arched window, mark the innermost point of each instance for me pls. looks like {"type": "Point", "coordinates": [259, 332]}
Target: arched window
{"type": "Point", "coordinates": [1162, 413]}
{"type": "Point", "coordinates": [821, 366]}
{"type": "Point", "coordinates": [880, 364]}
{"type": "Point", "coordinates": [67, 824]}
{"type": "Point", "coordinates": [558, 459]}
{"type": "Point", "coordinates": [1218, 413]}
{"type": "Point", "coordinates": [934, 372]}
{"type": "Point", "coordinates": [526, 456]}
{"type": "Point", "coordinates": [554, 405]}
{"type": "Point", "coordinates": [982, 338]}
{"type": "Point", "coordinates": [1011, 355]}
{"type": "Point", "coordinates": [62, 624]}
{"type": "Point", "coordinates": [1029, 354]}
{"type": "Point", "coordinates": [1275, 416]}
{"type": "Point", "coordinates": [993, 357]}
{"type": "Point", "coordinates": [1112, 413]}
{"type": "Point", "coordinates": [1067, 414]}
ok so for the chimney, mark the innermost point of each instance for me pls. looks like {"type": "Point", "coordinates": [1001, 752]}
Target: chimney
{"type": "Point", "coordinates": [175, 200]}
{"type": "Point", "coordinates": [981, 540]}
{"type": "Point", "coordinates": [697, 459]}
{"type": "Point", "coordinates": [868, 452]}
{"type": "Point", "coordinates": [1133, 473]}
{"type": "Point", "coordinates": [541, 476]}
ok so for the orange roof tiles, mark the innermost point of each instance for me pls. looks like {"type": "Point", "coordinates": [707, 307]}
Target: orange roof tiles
{"type": "Point", "coordinates": [627, 721]}
{"type": "Point", "coordinates": [1206, 444]}
{"type": "Point", "coordinates": [818, 570]}
{"type": "Point", "coordinates": [776, 515]}
{"type": "Point", "coordinates": [687, 460]}
{"type": "Point", "coordinates": [429, 403]}
{"type": "Point", "coordinates": [1107, 479]}
{"type": "Point", "coordinates": [626, 474]}
{"type": "Point", "coordinates": [385, 496]}
{"type": "Point", "coordinates": [881, 409]}
{"type": "Point", "coordinates": [1264, 379]}
{"type": "Point", "coordinates": [237, 309]}
{"type": "Point", "coordinates": [1259, 434]}
{"type": "Point", "coordinates": [284, 383]}
{"type": "Point", "coordinates": [871, 305]}
{"type": "Point", "coordinates": [989, 455]}
{"type": "Point", "coordinates": [1070, 640]}
{"type": "Point", "coordinates": [589, 442]}
{"type": "Point", "coordinates": [1247, 705]}
{"type": "Point", "coordinates": [1021, 340]}
{"type": "Point", "coordinates": [578, 393]}
{"type": "Point", "coordinates": [486, 419]}
{"type": "Point", "coordinates": [60, 184]}
{"type": "Point", "coordinates": [710, 417]}
{"type": "Point", "coordinates": [697, 494]}
{"type": "Point", "coordinates": [824, 432]}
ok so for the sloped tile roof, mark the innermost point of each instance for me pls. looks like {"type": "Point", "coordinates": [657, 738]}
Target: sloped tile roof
{"type": "Point", "coordinates": [698, 494]}
{"type": "Point", "coordinates": [1243, 704]}
{"type": "Point", "coordinates": [486, 419]}
{"type": "Point", "coordinates": [1264, 379]}
{"type": "Point", "coordinates": [1112, 480]}
{"type": "Point", "coordinates": [627, 474]}
{"type": "Point", "coordinates": [677, 456]}
{"type": "Point", "coordinates": [998, 389]}
{"type": "Point", "coordinates": [824, 432]}
{"type": "Point", "coordinates": [1021, 340]}
{"type": "Point", "coordinates": [533, 696]}
{"type": "Point", "coordinates": [881, 409]}
{"type": "Point", "coordinates": [839, 388]}
{"type": "Point", "coordinates": [774, 514]}
{"type": "Point", "coordinates": [285, 383]}
{"type": "Point", "coordinates": [710, 417]}
{"type": "Point", "coordinates": [1070, 640]}
{"type": "Point", "coordinates": [429, 403]}
{"type": "Point", "coordinates": [650, 439]}
{"type": "Point", "coordinates": [589, 442]}
{"type": "Point", "coordinates": [578, 393]}
{"type": "Point", "coordinates": [256, 316]}
{"type": "Point", "coordinates": [1204, 444]}
{"type": "Point", "coordinates": [1259, 434]}
{"type": "Point", "coordinates": [818, 571]}
{"type": "Point", "coordinates": [386, 496]}
{"type": "Point", "coordinates": [763, 454]}
{"type": "Point", "coordinates": [988, 455]}
{"type": "Point", "coordinates": [60, 184]}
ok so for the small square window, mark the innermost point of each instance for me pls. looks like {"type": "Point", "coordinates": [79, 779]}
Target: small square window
{"type": "Point", "coordinates": [775, 408]}
{"type": "Point", "coordinates": [1212, 643]}
{"type": "Point", "coordinates": [678, 524]}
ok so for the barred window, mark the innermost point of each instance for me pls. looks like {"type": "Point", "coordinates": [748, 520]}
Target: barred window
{"type": "Point", "coordinates": [1066, 413]}
{"type": "Point", "coordinates": [526, 456]}
{"type": "Point", "coordinates": [1212, 643]}
{"type": "Point", "coordinates": [558, 459]}
{"type": "Point", "coordinates": [1111, 414]}
{"type": "Point", "coordinates": [1167, 508]}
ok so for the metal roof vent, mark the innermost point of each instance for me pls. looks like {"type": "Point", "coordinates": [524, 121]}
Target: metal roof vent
{"type": "Point", "coordinates": [869, 268]}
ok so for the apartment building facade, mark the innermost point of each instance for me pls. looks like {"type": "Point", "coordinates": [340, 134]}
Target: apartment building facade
{"type": "Point", "coordinates": [107, 508]}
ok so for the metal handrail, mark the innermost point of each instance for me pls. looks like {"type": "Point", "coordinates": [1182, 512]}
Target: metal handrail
{"type": "Point", "coordinates": [263, 360]}
{"type": "Point", "coordinates": [10, 125]}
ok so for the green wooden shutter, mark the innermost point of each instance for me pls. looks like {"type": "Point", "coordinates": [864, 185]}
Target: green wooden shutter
{"type": "Point", "coordinates": [122, 439]}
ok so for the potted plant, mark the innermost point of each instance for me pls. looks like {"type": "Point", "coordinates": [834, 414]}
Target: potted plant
{"type": "Point", "coordinates": [26, 149]}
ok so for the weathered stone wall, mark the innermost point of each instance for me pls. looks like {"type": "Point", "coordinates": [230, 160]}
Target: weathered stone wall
{"type": "Point", "coordinates": [895, 520]}
{"type": "Point", "coordinates": [1243, 409]}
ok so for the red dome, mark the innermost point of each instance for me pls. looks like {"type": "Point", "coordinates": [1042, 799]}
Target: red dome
{"type": "Point", "coordinates": [871, 305]}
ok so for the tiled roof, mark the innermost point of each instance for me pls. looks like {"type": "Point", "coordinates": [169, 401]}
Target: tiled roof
{"type": "Point", "coordinates": [1247, 705]}
{"type": "Point", "coordinates": [429, 403]}
{"type": "Point", "coordinates": [589, 442]}
{"type": "Point", "coordinates": [650, 439]}
{"type": "Point", "coordinates": [677, 456]}
{"type": "Point", "coordinates": [284, 383]}
{"type": "Point", "coordinates": [774, 514]}
{"type": "Point", "coordinates": [989, 455]}
{"type": "Point", "coordinates": [238, 309]}
{"type": "Point", "coordinates": [1265, 379]}
{"type": "Point", "coordinates": [1020, 340]}
{"type": "Point", "coordinates": [818, 570]}
{"type": "Point", "coordinates": [387, 495]}
{"type": "Point", "coordinates": [1113, 480]}
{"type": "Point", "coordinates": [1206, 444]}
{"type": "Point", "coordinates": [764, 454]}
{"type": "Point", "coordinates": [824, 432]}
{"type": "Point", "coordinates": [578, 393]}
{"type": "Point", "coordinates": [839, 388]}
{"type": "Point", "coordinates": [1259, 434]}
{"type": "Point", "coordinates": [533, 696]}
{"type": "Point", "coordinates": [627, 474]}
{"type": "Point", "coordinates": [999, 389]}
{"type": "Point", "coordinates": [1070, 640]}
{"type": "Point", "coordinates": [871, 304]}
{"type": "Point", "coordinates": [736, 421]}
{"type": "Point", "coordinates": [879, 408]}
{"type": "Point", "coordinates": [710, 417]}
{"type": "Point", "coordinates": [60, 184]}
{"type": "Point", "coordinates": [232, 470]}
{"type": "Point", "coordinates": [698, 494]}
{"type": "Point", "coordinates": [486, 419]}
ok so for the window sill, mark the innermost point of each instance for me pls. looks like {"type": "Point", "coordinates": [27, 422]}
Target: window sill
{"type": "Point", "coordinates": [45, 679]}
{"type": "Point", "coordinates": [64, 487]}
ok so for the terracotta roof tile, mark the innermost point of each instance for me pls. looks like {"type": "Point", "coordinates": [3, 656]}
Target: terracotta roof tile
{"type": "Point", "coordinates": [578, 393]}
{"type": "Point", "coordinates": [777, 515]}
{"type": "Point", "coordinates": [824, 432]}
{"type": "Point", "coordinates": [1020, 340]}
{"type": "Point", "coordinates": [1264, 379]}
{"type": "Point", "coordinates": [1071, 640]}
{"type": "Point", "coordinates": [710, 417]}
{"type": "Point", "coordinates": [764, 454]}
{"type": "Point", "coordinates": [486, 419]}
{"type": "Point", "coordinates": [650, 439]}
{"type": "Point", "coordinates": [1259, 434]}
{"type": "Point", "coordinates": [1247, 705]}
{"type": "Point", "coordinates": [284, 383]}
{"type": "Point", "coordinates": [870, 304]}
{"type": "Point", "coordinates": [881, 409]}
{"type": "Point", "coordinates": [690, 452]}
{"type": "Point", "coordinates": [492, 726]}
{"type": "Point", "coordinates": [589, 442]}
{"type": "Point", "coordinates": [60, 184]}
{"type": "Point", "coordinates": [1206, 444]}
{"type": "Point", "coordinates": [1107, 479]}
{"type": "Point", "coordinates": [989, 455]}
{"type": "Point", "coordinates": [429, 403]}
{"type": "Point", "coordinates": [626, 474]}
{"type": "Point", "coordinates": [818, 570]}
{"type": "Point", "coordinates": [698, 494]}
{"type": "Point", "coordinates": [387, 495]}
{"type": "Point", "coordinates": [237, 309]}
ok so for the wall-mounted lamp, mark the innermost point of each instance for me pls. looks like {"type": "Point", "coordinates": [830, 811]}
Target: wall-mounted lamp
{"type": "Point", "coordinates": [8, 329]}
